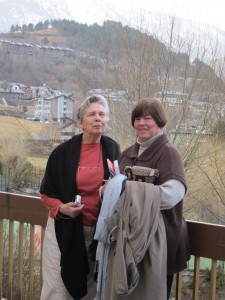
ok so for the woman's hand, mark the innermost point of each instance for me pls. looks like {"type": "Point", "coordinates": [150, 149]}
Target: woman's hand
{"type": "Point", "coordinates": [71, 209]}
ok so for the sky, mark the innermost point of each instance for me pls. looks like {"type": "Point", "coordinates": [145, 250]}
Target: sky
{"type": "Point", "coordinates": [203, 11]}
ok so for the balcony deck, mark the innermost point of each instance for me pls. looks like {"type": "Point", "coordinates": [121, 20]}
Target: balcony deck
{"type": "Point", "coordinates": [20, 260]}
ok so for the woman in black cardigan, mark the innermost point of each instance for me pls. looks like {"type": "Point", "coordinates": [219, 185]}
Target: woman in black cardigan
{"type": "Point", "coordinates": [76, 167]}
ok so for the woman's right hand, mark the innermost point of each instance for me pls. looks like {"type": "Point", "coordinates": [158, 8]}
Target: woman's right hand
{"type": "Point", "coordinates": [71, 209]}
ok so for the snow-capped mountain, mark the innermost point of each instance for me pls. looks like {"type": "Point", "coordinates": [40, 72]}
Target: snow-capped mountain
{"type": "Point", "coordinates": [13, 12]}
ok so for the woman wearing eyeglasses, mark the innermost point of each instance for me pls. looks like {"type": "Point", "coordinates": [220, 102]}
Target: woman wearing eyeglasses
{"type": "Point", "coordinates": [76, 167]}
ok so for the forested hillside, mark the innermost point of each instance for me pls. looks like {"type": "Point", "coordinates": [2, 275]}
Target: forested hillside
{"type": "Point", "coordinates": [107, 56]}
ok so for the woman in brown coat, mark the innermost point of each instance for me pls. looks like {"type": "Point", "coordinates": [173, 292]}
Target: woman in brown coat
{"type": "Point", "coordinates": [153, 149]}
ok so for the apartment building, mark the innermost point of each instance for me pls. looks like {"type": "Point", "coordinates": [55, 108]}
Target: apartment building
{"type": "Point", "coordinates": [53, 105]}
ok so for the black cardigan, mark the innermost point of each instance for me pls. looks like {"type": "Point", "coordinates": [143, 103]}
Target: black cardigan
{"type": "Point", "coordinates": [60, 182]}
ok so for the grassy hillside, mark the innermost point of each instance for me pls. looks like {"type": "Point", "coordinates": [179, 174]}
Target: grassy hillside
{"type": "Point", "coordinates": [11, 127]}
{"type": "Point", "coordinates": [14, 134]}
{"type": "Point", "coordinates": [52, 34]}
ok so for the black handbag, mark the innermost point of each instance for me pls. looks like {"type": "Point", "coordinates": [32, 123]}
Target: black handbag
{"type": "Point", "coordinates": [141, 174]}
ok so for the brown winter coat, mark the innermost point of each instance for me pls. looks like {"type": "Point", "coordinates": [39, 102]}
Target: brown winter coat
{"type": "Point", "coordinates": [164, 156]}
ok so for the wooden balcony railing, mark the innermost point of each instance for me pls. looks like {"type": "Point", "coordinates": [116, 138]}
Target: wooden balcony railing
{"type": "Point", "coordinates": [20, 264]}
{"type": "Point", "coordinates": [207, 241]}
{"type": "Point", "coordinates": [20, 261]}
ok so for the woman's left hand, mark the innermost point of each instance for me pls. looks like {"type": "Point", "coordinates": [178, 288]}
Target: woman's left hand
{"type": "Point", "coordinates": [71, 209]}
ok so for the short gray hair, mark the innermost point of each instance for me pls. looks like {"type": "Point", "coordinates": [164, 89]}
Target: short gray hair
{"type": "Point", "coordinates": [92, 99]}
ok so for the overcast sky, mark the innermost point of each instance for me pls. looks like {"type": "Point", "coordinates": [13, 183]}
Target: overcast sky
{"type": "Point", "coordinates": [205, 11]}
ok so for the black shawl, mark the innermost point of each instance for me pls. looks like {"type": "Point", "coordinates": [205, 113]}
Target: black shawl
{"type": "Point", "coordinates": [60, 182]}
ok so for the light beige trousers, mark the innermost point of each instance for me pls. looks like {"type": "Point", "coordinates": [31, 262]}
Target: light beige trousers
{"type": "Point", "coordinates": [53, 287]}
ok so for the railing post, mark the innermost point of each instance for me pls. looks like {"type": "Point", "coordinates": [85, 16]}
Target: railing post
{"type": "Point", "coordinates": [20, 262]}
{"type": "Point", "coordinates": [213, 280]}
{"type": "Point", "coordinates": [10, 260]}
{"type": "Point", "coordinates": [31, 263]}
{"type": "Point", "coordinates": [196, 277]}
{"type": "Point", "coordinates": [179, 286]}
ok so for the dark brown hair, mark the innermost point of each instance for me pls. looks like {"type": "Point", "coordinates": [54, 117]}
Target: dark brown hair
{"type": "Point", "coordinates": [152, 107]}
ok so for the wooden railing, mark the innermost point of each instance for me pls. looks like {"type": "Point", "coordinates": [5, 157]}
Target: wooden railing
{"type": "Point", "coordinates": [208, 241]}
{"type": "Point", "coordinates": [20, 261]}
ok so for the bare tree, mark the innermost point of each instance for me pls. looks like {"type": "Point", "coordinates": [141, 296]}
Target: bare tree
{"type": "Point", "coordinates": [187, 76]}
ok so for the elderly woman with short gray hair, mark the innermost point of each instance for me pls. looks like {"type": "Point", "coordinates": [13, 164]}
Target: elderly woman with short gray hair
{"type": "Point", "coordinates": [75, 171]}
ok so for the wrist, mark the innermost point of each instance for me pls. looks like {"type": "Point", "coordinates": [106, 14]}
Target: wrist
{"type": "Point", "coordinates": [59, 212]}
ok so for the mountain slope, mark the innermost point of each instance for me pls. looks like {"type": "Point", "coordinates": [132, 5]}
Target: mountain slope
{"type": "Point", "coordinates": [204, 39]}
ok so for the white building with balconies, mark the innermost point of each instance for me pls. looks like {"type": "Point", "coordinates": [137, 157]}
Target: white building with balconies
{"type": "Point", "coordinates": [54, 106]}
